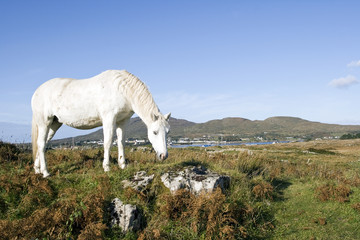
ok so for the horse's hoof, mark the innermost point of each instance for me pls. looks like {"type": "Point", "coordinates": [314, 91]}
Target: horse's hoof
{"type": "Point", "coordinates": [122, 166]}
{"type": "Point", "coordinates": [37, 170]}
{"type": "Point", "coordinates": [106, 169]}
{"type": "Point", "coordinates": [46, 174]}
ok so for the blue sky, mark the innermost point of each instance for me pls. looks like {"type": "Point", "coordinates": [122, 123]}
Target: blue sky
{"type": "Point", "coordinates": [201, 60]}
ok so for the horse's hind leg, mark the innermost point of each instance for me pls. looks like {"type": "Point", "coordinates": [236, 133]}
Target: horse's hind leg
{"type": "Point", "coordinates": [43, 131]}
{"type": "Point", "coordinates": [53, 128]}
{"type": "Point", "coordinates": [37, 164]}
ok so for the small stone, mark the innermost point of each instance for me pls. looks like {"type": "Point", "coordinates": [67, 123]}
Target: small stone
{"type": "Point", "coordinates": [139, 182]}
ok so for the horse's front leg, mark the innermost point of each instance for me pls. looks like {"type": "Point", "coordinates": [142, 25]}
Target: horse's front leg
{"type": "Point", "coordinates": [121, 141]}
{"type": "Point", "coordinates": [108, 129]}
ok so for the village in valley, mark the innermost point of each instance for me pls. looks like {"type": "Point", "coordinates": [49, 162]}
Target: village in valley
{"type": "Point", "coordinates": [204, 141]}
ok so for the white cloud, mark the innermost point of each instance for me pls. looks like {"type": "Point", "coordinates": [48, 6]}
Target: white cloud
{"type": "Point", "coordinates": [344, 81]}
{"type": "Point", "coordinates": [354, 64]}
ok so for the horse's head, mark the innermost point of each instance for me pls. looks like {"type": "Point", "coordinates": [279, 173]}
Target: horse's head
{"type": "Point", "coordinates": [157, 134]}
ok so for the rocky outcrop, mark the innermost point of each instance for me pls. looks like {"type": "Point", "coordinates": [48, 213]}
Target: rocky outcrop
{"type": "Point", "coordinates": [139, 182]}
{"type": "Point", "coordinates": [142, 149]}
{"type": "Point", "coordinates": [195, 179]}
{"type": "Point", "coordinates": [126, 216]}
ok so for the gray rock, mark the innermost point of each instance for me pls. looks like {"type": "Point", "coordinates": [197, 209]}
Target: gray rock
{"type": "Point", "coordinates": [139, 182]}
{"type": "Point", "coordinates": [126, 216]}
{"type": "Point", "coordinates": [142, 149]}
{"type": "Point", "coordinates": [195, 179]}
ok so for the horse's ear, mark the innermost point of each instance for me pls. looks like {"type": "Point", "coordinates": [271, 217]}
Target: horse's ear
{"type": "Point", "coordinates": [167, 116]}
{"type": "Point", "coordinates": [155, 117]}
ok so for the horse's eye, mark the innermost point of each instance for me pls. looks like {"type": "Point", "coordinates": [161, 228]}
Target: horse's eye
{"type": "Point", "coordinates": [155, 132]}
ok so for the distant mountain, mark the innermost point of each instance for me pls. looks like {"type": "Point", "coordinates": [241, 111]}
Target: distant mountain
{"type": "Point", "coordinates": [273, 126]}
{"type": "Point", "coordinates": [277, 126]}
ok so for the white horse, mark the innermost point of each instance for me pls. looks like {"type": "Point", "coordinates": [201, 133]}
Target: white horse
{"type": "Point", "coordinates": [108, 99]}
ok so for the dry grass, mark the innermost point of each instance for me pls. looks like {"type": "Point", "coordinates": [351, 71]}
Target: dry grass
{"type": "Point", "coordinates": [207, 214]}
{"type": "Point", "coordinates": [263, 190]}
{"type": "Point", "coordinates": [338, 193]}
{"type": "Point", "coordinates": [32, 206]}
{"type": "Point", "coordinates": [356, 206]}
{"type": "Point", "coordinates": [39, 214]}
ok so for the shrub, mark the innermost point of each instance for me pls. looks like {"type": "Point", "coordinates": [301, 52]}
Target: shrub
{"type": "Point", "coordinates": [8, 152]}
{"type": "Point", "coordinates": [338, 193]}
{"type": "Point", "coordinates": [263, 190]}
{"type": "Point", "coordinates": [356, 206]}
{"type": "Point", "coordinates": [321, 151]}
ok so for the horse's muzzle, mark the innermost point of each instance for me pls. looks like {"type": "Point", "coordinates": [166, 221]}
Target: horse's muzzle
{"type": "Point", "coordinates": [163, 156]}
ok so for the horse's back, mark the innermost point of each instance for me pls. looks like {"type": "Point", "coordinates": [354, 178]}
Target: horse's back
{"type": "Point", "coordinates": [100, 81]}
{"type": "Point", "coordinates": [79, 103]}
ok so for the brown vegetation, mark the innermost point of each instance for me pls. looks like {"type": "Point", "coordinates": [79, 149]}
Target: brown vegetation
{"type": "Point", "coordinates": [40, 214]}
{"type": "Point", "coordinates": [263, 190]}
{"type": "Point", "coordinates": [208, 213]}
{"type": "Point", "coordinates": [338, 193]}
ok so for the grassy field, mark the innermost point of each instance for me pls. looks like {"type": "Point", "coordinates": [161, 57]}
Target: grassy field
{"type": "Point", "coordinates": [283, 191]}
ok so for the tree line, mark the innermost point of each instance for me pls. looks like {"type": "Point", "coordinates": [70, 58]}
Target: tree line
{"type": "Point", "coordinates": [350, 136]}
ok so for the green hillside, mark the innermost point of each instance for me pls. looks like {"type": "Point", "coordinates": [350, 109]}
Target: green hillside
{"type": "Point", "coordinates": [274, 126]}
{"type": "Point", "coordinates": [280, 126]}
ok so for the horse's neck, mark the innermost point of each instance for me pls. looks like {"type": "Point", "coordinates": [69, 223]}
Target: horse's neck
{"type": "Point", "coordinates": [141, 100]}
{"type": "Point", "coordinates": [145, 115]}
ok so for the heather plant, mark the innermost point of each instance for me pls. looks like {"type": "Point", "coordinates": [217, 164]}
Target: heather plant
{"type": "Point", "coordinates": [8, 152]}
{"type": "Point", "coordinates": [330, 191]}
{"type": "Point", "coordinates": [263, 190]}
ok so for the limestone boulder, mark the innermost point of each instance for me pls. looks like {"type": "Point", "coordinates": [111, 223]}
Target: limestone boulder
{"type": "Point", "coordinates": [195, 179]}
{"type": "Point", "coordinates": [126, 216]}
{"type": "Point", "coordinates": [139, 182]}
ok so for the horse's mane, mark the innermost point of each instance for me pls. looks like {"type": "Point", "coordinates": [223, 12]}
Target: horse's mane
{"type": "Point", "coordinates": [135, 90]}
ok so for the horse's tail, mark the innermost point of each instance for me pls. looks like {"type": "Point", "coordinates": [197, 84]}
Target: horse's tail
{"type": "Point", "coordinates": [34, 137]}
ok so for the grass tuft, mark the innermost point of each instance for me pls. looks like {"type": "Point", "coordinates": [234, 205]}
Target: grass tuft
{"type": "Point", "coordinates": [338, 193]}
